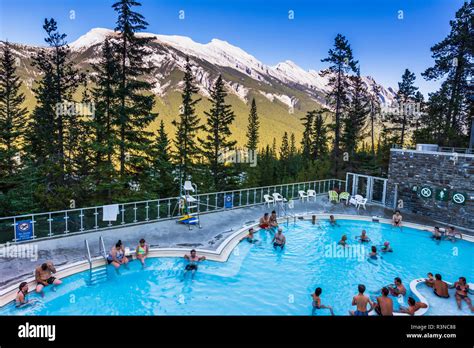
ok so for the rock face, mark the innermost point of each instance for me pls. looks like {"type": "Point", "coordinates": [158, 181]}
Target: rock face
{"type": "Point", "coordinates": [448, 177]}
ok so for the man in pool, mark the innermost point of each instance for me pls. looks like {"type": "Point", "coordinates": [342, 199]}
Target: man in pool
{"type": "Point", "coordinates": [279, 240]}
{"type": "Point", "coordinates": [44, 277]}
{"type": "Point", "coordinates": [436, 233]}
{"type": "Point", "coordinates": [363, 238]}
{"type": "Point", "coordinates": [398, 288]}
{"type": "Point", "coordinates": [384, 306]}
{"type": "Point", "coordinates": [317, 301]}
{"type": "Point", "coordinates": [451, 234]}
{"type": "Point", "coordinates": [397, 219]}
{"type": "Point", "coordinates": [413, 306]}
{"type": "Point", "coordinates": [193, 259]}
{"type": "Point", "coordinates": [361, 301]}
{"type": "Point", "coordinates": [440, 288]}
{"type": "Point", "coordinates": [250, 236]}
{"type": "Point", "coordinates": [343, 240]}
{"type": "Point", "coordinates": [273, 220]}
{"type": "Point", "coordinates": [373, 253]}
{"type": "Point", "coordinates": [430, 280]}
{"type": "Point", "coordinates": [332, 220]}
{"type": "Point", "coordinates": [265, 222]}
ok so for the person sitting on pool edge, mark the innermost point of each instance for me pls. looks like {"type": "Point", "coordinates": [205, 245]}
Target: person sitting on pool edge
{"type": "Point", "coordinates": [440, 288]}
{"type": "Point", "coordinates": [462, 290]}
{"type": "Point", "coordinates": [265, 222]}
{"type": "Point", "coordinates": [451, 234]}
{"type": "Point", "coordinates": [363, 238]}
{"type": "Point", "coordinates": [273, 220]}
{"type": "Point", "coordinates": [430, 280]}
{"type": "Point", "coordinates": [384, 306]}
{"type": "Point", "coordinates": [279, 240]}
{"type": "Point", "coordinates": [386, 248]}
{"type": "Point", "coordinates": [21, 296]}
{"type": "Point", "coordinates": [117, 256]}
{"type": "Point", "coordinates": [317, 301]}
{"type": "Point", "coordinates": [44, 277]}
{"type": "Point", "coordinates": [250, 236]}
{"type": "Point", "coordinates": [397, 219]}
{"type": "Point", "coordinates": [142, 251]}
{"type": "Point", "coordinates": [361, 301]}
{"type": "Point", "coordinates": [413, 306]}
{"type": "Point", "coordinates": [343, 240]}
{"type": "Point", "coordinates": [193, 259]}
{"type": "Point", "coordinates": [398, 288]}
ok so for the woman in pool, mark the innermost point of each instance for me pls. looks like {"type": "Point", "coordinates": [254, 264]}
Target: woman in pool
{"type": "Point", "coordinates": [397, 288]}
{"type": "Point", "coordinates": [317, 301]}
{"type": "Point", "coordinates": [363, 238]}
{"type": "Point", "coordinates": [462, 290]}
{"type": "Point", "coordinates": [117, 256]}
{"type": "Point", "coordinates": [386, 248]}
{"type": "Point", "coordinates": [250, 236]}
{"type": "Point", "coordinates": [142, 251]}
{"type": "Point", "coordinates": [265, 221]}
{"type": "Point", "coordinates": [21, 300]}
{"type": "Point", "coordinates": [343, 240]}
{"type": "Point", "coordinates": [451, 234]}
{"type": "Point", "coordinates": [332, 220]}
{"type": "Point", "coordinates": [279, 240]}
{"type": "Point", "coordinates": [397, 219]}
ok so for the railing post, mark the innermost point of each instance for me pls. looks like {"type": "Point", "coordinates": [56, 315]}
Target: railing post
{"type": "Point", "coordinates": [66, 218]}
{"type": "Point", "coordinates": [207, 202]}
{"type": "Point", "coordinates": [50, 223]}
{"type": "Point", "coordinates": [146, 211]}
{"type": "Point", "coordinates": [14, 229]}
{"type": "Point", "coordinates": [135, 212]}
{"type": "Point", "coordinates": [169, 207]}
{"type": "Point", "coordinates": [81, 215]}
{"type": "Point", "coordinates": [123, 214]}
{"type": "Point", "coordinates": [96, 221]}
{"type": "Point", "coordinates": [158, 209]}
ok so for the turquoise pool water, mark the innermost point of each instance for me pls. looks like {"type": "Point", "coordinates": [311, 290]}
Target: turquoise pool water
{"type": "Point", "coordinates": [259, 280]}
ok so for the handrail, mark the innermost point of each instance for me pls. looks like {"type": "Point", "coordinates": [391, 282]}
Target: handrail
{"type": "Point", "coordinates": [88, 255]}
{"type": "Point", "coordinates": [102, 247]}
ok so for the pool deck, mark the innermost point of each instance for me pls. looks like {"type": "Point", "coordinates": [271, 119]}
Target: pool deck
{"type": "Point", "coordinates": [216, 228]}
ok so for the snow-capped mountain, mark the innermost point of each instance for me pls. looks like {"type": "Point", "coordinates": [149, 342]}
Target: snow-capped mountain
{"type": "Point", "coordinates": [280, 90]}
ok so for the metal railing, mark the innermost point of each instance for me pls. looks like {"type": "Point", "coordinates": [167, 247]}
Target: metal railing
{"type": "Point", "coordinates": [84, 220]}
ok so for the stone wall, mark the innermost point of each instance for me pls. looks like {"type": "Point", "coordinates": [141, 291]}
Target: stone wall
{"type": "Point", "coordinates": [438, 171]}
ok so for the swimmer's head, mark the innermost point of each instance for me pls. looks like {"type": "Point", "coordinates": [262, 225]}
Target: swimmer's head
{"type": "Point", "coordinates": [438, 276]}
{"type": "Point", "coordinates": [44, 266]}
{"type": "Point", "coordinates": [344, 237]}
{"type": "Point", "coordinates": [142, 241]}
{"type": "Point", "coordinates": [363, 232]}
{"type": "Point", "coordinates": [266, 214]}
{"type": "Point", "coordinates": [193, 252]}
{"type": "Point", "coordinates": [374, 249]}
{"type": "Point", "coordinates": [385, 291]}
{"type": "Point", "coordinates": [451, 228]}
{"type": "Point", "coordinates": [462, 280]}
{"type": "Point", "coordinates": [118, 244]}
{"type": "Point", "coordinates": [436, 228]}
{"type": "Point", "coordinates": [398, 280]}
{"type": "Point", "coordinates": [411, 301]}
{"type": "Point", "coordinates": [23, 286]}
{"type": "Point", "coordinates": [430, 275]}
{"type": "Point", "coordinates": [318, 291]}
{"type": "Point", "coordinates": [386, 244]}
{"type": "Point", "coordinates": [397, 211]}
{"type": "Point", "coordinates": [331, 217]}
{"type": "Point", "coordinates": [361, 288]}
{"type": "Point", "coordinates": [280, 230]}
{"type": "Point", "coordinates": [274, 212]}
{"type": "Point", "coordinates": [251, 230]}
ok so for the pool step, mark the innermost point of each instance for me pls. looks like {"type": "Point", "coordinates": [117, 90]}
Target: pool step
{"type": "Point", "coordinates": [98, 275]}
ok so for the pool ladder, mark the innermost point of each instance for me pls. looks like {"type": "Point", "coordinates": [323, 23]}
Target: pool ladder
{"type": "Point", "coordinates": [98, 274]}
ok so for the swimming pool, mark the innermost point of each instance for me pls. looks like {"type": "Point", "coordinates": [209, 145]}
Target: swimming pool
{"type": "Point", "coordinates": [259, 280]}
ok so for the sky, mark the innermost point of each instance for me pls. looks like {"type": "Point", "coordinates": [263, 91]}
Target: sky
{"type": "Point", "coordinates": [387, 36]}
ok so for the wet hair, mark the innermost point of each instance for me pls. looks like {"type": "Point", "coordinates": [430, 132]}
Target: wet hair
{"type": "Point", "coordinates": [438, 276]}
{"type": "Point", "coordinates": [451, 227]}
{"type": "Point", "coordinates": [374, 249]}
{"type": "Point", "coordinates": [280, 229]}
{"type": "Point", "coordinates": [463, 279]}
{"type": "Point", "coordinates": [318, 291]}
{"type": "Point", "coordinates": [193, 250]}
{"type": "Point", "coordinates": [411, 301]}
{"type": "Point", "coordinates": [331, 216]}
{"type": "Point", "coordinates": [266, 214]}
{"type": "Point", "coordinates": [436, 228]}
{"type": "Point", "coordinates": [361, 288]}
{"type": "Point", "coordinates": [274, 212]}
{"type": "Point", "coordinates": [251, 230]}
{"type": "Point", "coordinates": [364, 231]}
{"type": "Point", "coordinates": [142, 241]}
{"type": "Point", "coordinates": [397, 211]}
{"type": "Point", "coordinates": [398, 280]}
{"type": "Point", "coordinates": [118, 244]}
{"type": "Point", "coordinates": [44, 266]}
{"type": "Point", "coordinates": [385, 291]}
{"type": "Point", "coordinates": [430, 274]}
{"type": "Point", "coordinates": [22, 285]}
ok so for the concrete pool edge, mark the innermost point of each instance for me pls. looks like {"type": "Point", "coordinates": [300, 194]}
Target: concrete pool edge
{"type": "Point", "coordinates": [221, 254]}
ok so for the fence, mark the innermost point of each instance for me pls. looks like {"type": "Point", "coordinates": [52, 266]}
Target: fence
{"type": "Point", "coordinates": [83, 220]}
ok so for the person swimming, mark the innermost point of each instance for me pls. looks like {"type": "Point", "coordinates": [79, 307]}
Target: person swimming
{"type": "Point", "coordinates": [373, 253]}
{"type": "Point", "coordinates": [363, 238]}
{"type": "Point", "coordinates": [462, 290]}
{"type": "Point", "coordinates": [436, 234]}
{"type": "Point", "coordinates": [343, 240]}
{"type": "Point", "coordinates": [397, 288]}
{"type": "Point", "coordinates": [250, 236]}
{"type": "Point", "coordinates": [332, 220]}
{"type": "Point", "coordinates": [451, 234]}
{"type": "Point", "coordinates": [397, 219]}
{"type": "Point", "coordinates": [265, 222]}
{"type": "Point", "coordinates": [413, 306]}
{"type": "Point", "coordinates": [430, 280]}
{"type": "Point", "coordinates": [317, 301]}
{"type": "Point", "coordinates": [361, 301]}
{"type": "Point", "coordinates": [142, 251]}
{"type": "Point", "coordinates": [386, 248]}
{"type": "Point", "coordinates": [193, 260]}
{"type": "Point", "coordinates": [279, 240]}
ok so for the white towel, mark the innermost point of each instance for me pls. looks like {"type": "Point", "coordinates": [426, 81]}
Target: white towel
{"type": "Point", "coordinates": [110, 212]}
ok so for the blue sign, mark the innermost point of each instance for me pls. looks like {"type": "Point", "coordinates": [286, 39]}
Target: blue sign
{"type": "Point", "coordinates": [23, 230]}
{"type": "Point", "coordinates": [228, 201]}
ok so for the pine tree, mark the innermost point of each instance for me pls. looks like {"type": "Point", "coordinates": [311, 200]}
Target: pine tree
{"type": "Point", "coordinates": [453, 62]}
{"type": "Point", "coordinates": [12, 115]}
{"type": "Point", "coordinates": [284, 156]}
{"type": "Point", "coordinates": [319, 144]}
{"type": "Point", "coordinates": [187, 126]}
{"type": "Point", "coordinates": [252, 128]}
{"type": "Point", "coordinates": [306, 142]}
{"type": "Point", "coordinates": [375, 110]}
{"type": "Point", "coordinates": [219, 119]}
{"type": "Point", "coordinates": [342, 63]}
{"type": "Point", "coordinates": [135, 104]}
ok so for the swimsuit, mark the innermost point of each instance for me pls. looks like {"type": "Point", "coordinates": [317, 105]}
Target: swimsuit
{"type": "Point", "coordinates": [358, 313]}
{"type": "Point", "coordinates": [440, 295]}
{"type": "Point", "coordinates": [50, 280]}
{"type": "Point", "coordinates": [458, 288]}
{"type": "Point", "coordinates": [278, 239]}
{"type": "Point", "coordinates": [191, 267]}
{"type": "Point", "coordinates": [119, 254]}
{"type": "Point", "coordinates": [142, 250]}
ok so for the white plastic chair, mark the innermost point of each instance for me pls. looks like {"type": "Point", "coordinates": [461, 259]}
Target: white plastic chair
{"type": "Point", "coordinates": [311, 194]}
{"type": "Point", "coordinates": [303, 195]}
{"type": "Point", "coordinates": [188, 186]}
{"type": "Point", "coordinates": [278, 197]}
{"type": "Point", "coordinates": [361, 203]}
{"type": "Point", "coordinates": [268, 199]}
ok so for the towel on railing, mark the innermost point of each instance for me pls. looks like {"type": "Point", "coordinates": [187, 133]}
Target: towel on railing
{"type": "Point", "coordinates": [110, 212]}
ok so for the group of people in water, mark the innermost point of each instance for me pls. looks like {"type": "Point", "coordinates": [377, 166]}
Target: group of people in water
{"type": "Point", "coordinates": [268, 223]}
